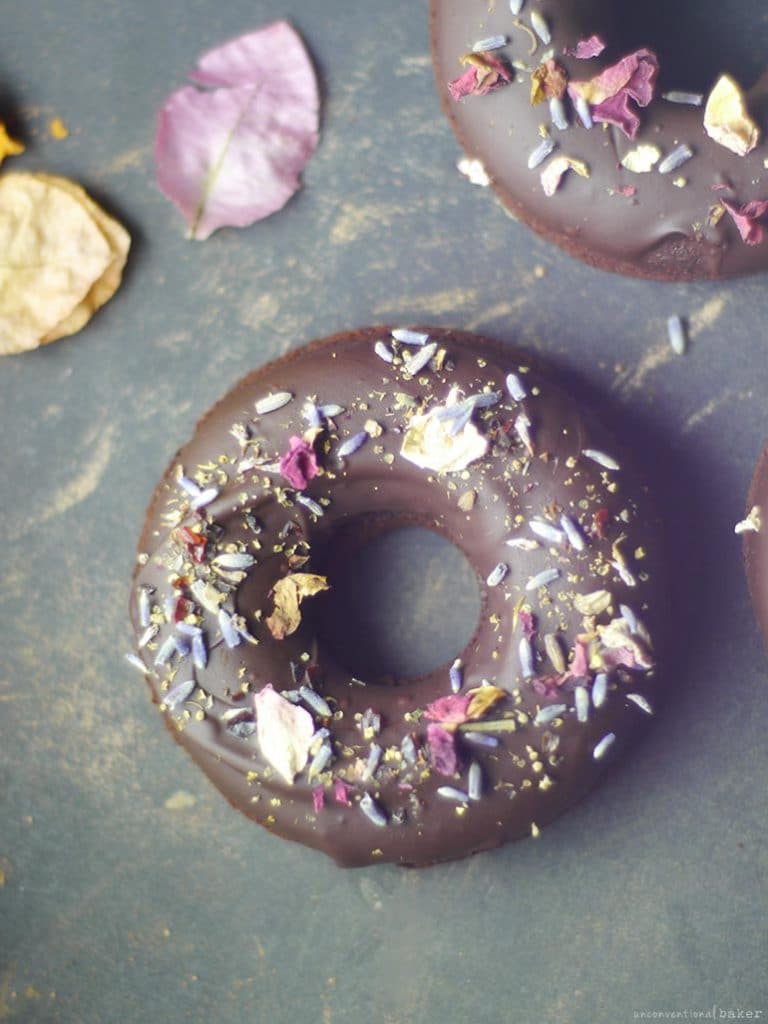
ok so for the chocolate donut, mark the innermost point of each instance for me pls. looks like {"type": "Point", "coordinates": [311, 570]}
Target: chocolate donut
{"type": "Point", "coordinates": [367, 431]}
{"type": "Point", "coordinates": [754, 531]}
{"type": "Point", "coordinates": [596, 144]}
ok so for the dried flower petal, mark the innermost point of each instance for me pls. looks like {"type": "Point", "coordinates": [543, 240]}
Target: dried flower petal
{"type": "Point", "coordinates": [288, 593]}
{"type": "Point", "coordinates": [483, 698]}
{"type": "Point", "coordinates": [232, 154]}
{"type": "Point", "coordinates": [748, 219]}
{"type": "Point", "coordinates": [586, 48]}
{"type": "Point", "coordinates": [753, 522]}
{"type": "Point", "coordinates": [548, 81]}
{"type": "Point", "coordinates": [641, 159]}
{"type": "Point", "coordinates": [430, 443]}
{"type": "Point", "coordinates": [553, 173]}
{"type": "Point", "coordinates": [8, 146]}
{"type": "Point", "coordinates": [299, 464]}
{"type": "Point", "coordinates": [442, 749]}
{"type": "Point", "coordinates": [726, 119]}
{"type": "Point", "coordinates": [611, 92]}
{"type": "Point", "coordinates": [284, 732]}
{"type": "Point", "coordinates": [452, 708]}
{"type": "Point", "coordinates": [341, 791]}
{"type": "Point", "coordinates": [485, 73]}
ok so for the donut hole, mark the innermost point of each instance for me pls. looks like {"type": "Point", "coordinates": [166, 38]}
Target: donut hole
{"type": "Point", "coordinates": [694, 44]}
{"type": "Point", "coordinates": [403, 602]}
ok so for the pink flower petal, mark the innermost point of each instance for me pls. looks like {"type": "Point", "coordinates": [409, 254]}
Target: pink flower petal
{"type": "Point", "coordinates": [341, 791]}
{"type": "Point", "coordinates": [452, 708]}
{"type": "Point", "coordinates": [609, 93]}
{"type": "Point", "coordinates": [586, 48]}
{"type": "Point", "coordinates": [318, 798]}
{"type": "Point", "coordinates": [486, 73]}
{"type": "Point", "coordinates": [284, 732]}
{"type": "Point", "coordinates": [442, 750]}
{"type": "Point", "coordinates": [747, 219]}
{"type": "Point", "coordinates": [233, 155]}
{"type": "Point", "coordinates": [299, 464]}
{"type": "Point", "coordinates": [528, 623]}
{"type": "Point", "coordinates": [579, 667]}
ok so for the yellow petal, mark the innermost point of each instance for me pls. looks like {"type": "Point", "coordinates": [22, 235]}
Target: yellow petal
{"type": "Point", "coordinates": [726, 119]}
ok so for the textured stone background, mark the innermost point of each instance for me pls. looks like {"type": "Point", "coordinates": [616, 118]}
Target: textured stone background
{"type": "Point", "coordinates": [129, 891]}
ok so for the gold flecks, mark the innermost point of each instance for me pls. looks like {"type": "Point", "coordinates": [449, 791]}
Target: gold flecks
{"type": "Point", "coordinates": [57, 129]}
{"type": "Point", "coordinates": [467, 501]}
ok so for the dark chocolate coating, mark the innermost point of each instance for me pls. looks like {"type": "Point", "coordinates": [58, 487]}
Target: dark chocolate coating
{"type": "Point", "coordinates": [754, 543]}
{"type": "Point", "coordinates": [536, 771]}
{"type": "Point", "coordinates": [664, 231]}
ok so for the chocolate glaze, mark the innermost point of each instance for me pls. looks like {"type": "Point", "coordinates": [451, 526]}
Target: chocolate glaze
{"type": "Point", "coordinates": [664, 232]}
{"type": "Point", "coordinates": [537, 770]}
{"type": "Point", "coordinates": [754, 542]}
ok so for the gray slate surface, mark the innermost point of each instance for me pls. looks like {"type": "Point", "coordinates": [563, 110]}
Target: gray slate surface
{"type": "Point", "coordinates": [130, 891]}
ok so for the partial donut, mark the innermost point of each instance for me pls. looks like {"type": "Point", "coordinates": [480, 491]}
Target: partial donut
{"type": "Point", "coordinates": [582, 142]}
{"type": "Point", "coordinates": [370, 430]}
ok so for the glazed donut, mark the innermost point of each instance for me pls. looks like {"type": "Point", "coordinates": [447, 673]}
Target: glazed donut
{"type": "Point", "coordinates": [598, 145]}
{"type": "Point", "coordinates": [365, 431]}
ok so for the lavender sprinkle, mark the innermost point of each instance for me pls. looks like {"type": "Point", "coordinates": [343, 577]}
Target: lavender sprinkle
{"type": "Point", "coordinates": [497, 574]}
{"type": "Point", "coordinates": [522, 543]}
{"type": "Point", "coordinates": [318, 704]}
{"type": "Point", "coordinates": [475, 781]}
{"type": "Point", "coordinates": [374, 757]}
{"type": "Point", "coordinates": [537, 157]}
{"type": "Point", "coordinates": [384, 352]}
{"type": "Point", "coordinates": [581, 698]}
{"type": "Point", "coordinates": [540, 27]}
{"type": "Point", "coordinates": [228, 631]}
{"type": "Point", "coordinates": [408, 750]}
{"type": "Point", "coordinates": [600, 689]}
{"type": "Point", "coordinates": [548, 714]}
{"type": "Point", "coordinates": [234, 560]}
{"type": "Point", "coordinates": [408, 337]}
{"type": "Point", "coordinates": [166, 651]}
{"type": "Point", "coordinates": [199, 651]}
{"type": "Point", "coordinates": [456, 675]}
{"type": "Point", "coordinates": [526, 655]}
{"type": "Point", "coordinates": [485, 399]}
{"type": "Point", "coordinates": [516, 6]}
{"type": "Point", "coordinates": [373, 811]}
{"type": "Point", "coordinates": [572, 532]}
{"type": "Point", "coordinates": [187, 629]}
{"type": "Point", "coordinates": [490, 43]}
{"type": "Point", "coordinates": [458, 796]}
{"type": "Point", "coordinates": [677, 336]}
{"type": "Point", "coordinates": [625, 575]}
{"type": "Point", "coordinates": [680, 155]}
{"type": "Point", "coordinates": [310, 504]}
{"type": "Point", "coordinates": [419, 360]}
{"type": "Point", "coordinates": [602, 747]}
{"type": "Point", "coordinates": [144, 607]}
{"type": "Point", "coordinates": [321, 760]}
{"type": "Point", "coordinates": [515, 386]}
{"type": "Point", "coordinates": [204, 498]}
{"type": "Point", "coordinates": [351, 445]}
{"type": "Point", "coordinates": [629, 617]}
{"type": "Point", "coordinates": [311, 414]}
{"type": "Point", "coordinates": [543, 579]}
{"type": "Point", "coordinates": [523, 430]}
{"type": "Point", "coordinates": [691, 99]}
{"type": "Point", "coordinates": [546, 532]}
{"type": "Point", "coordinates": [331, 411]}
{"type": "Point", "coordinates": [642, 703]}
{"type": "Point", "coordinates": [271, 403]}
{"type": "Point", "coordinates": [178, 694]}
{"type": "Point", "coordinates": [370, 721]}
{"type": "Point", "coordinates": [606, 461]}
{"type": "Point", "coordinates": [480, 739]}
{"type": "Point", "coordinates": [136, 662]}
{"type": "Point", "coordinates": [558, 114]}
{"type": "Point", "coordinates": [149, 634]}
{"type": "Point", "coordinates": [583, 112]}
{"type": "Point", "coordinates": [188, 485]}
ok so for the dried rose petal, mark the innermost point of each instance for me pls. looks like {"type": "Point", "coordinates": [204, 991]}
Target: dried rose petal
{"type": "Point", "coordinates": [341, 792]}
{"type": "Point", "coordinates": [442, 750]}
{"type": "Point", "coordinates": [548, 81]}
{"type": "Point", "coordinates": [318, 798]}
{"type": "Point", "coordinates": [299, 464]}
{"type": "Point", "coordinates": [486, 73]}
{"type": "Point", "coordinates": [633, 78]}
{"type": "Point", "coordinates": [284, 732]}
{"type": "Point", "coordinates": [747, 219]}
{"type": "Point", "coordinates": [452, 708]}
{"type": "Point", "coordinates": [579, 667]}
{"type": "Point", "coordinates": [586, 48]}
